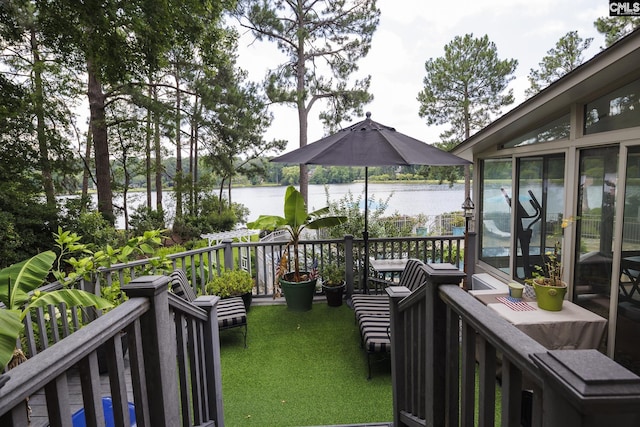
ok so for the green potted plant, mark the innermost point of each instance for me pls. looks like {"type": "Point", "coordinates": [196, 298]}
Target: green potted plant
{"type": "Point", "coordinates": [298, 286]}
{"type": "Point", "coordinates": [232, 283]}
{"type": "Point", "coordinates": [548, 285]}
{"type": "Point", "coordinates": [333, 283]}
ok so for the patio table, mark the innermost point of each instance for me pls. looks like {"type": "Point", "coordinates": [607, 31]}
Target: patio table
{"type": "Point", "coordinates": [573, 327]}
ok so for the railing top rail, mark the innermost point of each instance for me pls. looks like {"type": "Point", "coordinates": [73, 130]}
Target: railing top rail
{"type": "Point", "coordinates": [184, 307]}
{"type": "Point", "coordinates": [55, 360]}
{"type": "Point", "coordinates": [512, 342]}
{"type": "Point", "coordinates": [356, 240]}
{"type": "Point", "coordinates": [144, 261]}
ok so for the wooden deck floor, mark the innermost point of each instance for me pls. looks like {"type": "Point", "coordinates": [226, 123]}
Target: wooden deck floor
{"type": "Point", "coordinates": [38, 405]}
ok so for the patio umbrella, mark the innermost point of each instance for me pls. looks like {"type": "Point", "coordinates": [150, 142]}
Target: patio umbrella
{"type": "Point", "coordinates": [369, 143]}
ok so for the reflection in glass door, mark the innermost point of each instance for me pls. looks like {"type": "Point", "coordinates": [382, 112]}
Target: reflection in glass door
{"type": "Point", "coordinates": [595, 239]}
{"type": "Point", "coordinates": [540, 204]}
{"type": "Point", "coordinates": [627, 350]}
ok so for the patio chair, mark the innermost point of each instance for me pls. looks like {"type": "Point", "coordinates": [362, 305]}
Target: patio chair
{"type": "Point", "coordinates": [412, 277]}
{"type": "Point", "coordinates": [372, 312]}
{"type": "Point", "coordinates": [231, 311]}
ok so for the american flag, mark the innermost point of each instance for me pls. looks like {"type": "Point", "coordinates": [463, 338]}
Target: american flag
{"type": "Point", "coordinates": [313, 274]}
{"type": "Point", "coordinates": [281, 267]}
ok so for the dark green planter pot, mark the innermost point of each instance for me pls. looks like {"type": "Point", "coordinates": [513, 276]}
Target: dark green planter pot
{"type": "Point", "coordinates": [334, 295]}
{"type": "Point", "coordinates": [246, 299]}
{"type": "Point", "coordinates": [299, 295]}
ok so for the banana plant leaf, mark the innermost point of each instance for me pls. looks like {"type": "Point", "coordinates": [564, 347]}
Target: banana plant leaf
{"type": "Point", "coordinates": [10, 328]}
{"type": "Point", "coordinates": [71, 297]}
{"type": "Point", "coordinates": [17, 283]}
{"type": "Point", "coordinates": [17, 280]}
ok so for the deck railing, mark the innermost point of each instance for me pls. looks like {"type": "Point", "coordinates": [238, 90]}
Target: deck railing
{"type": "Point", "coordinates": [174, 365]}
{"type": "Point", "coordinates": [442, 336]}
{"type": "Point", "coordinates": [261, 259]}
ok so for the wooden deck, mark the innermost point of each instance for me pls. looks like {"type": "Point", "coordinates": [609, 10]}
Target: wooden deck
{"type": "Point", "coordinates": [38, 404]}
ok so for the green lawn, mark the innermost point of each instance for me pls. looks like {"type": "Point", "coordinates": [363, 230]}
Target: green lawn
{"type": "Point", "coordinates": [301, 369]}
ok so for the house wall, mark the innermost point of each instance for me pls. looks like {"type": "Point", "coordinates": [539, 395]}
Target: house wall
{"type": "Point", "coordinates": [596, 200]}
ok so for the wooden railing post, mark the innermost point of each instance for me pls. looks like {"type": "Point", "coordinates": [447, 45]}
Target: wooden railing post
{"type": "Point", "coordinates": [159, 349]}
{"type": "Point", "coordinates": [436, 336]}
{"type": "Point", "coordinates": [348, 260]}
{"type": "Point", "coordinates": [228, 254]}
{"type": "Point", "coordinates": [213, 378]}
{"type": "Point", "coordinates": [584, 388]}
{"type": "Point", "coordinates": [398, 356]}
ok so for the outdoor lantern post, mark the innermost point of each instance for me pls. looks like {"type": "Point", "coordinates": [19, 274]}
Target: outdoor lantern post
{"type": "Point", "coordinates": [468, 208]}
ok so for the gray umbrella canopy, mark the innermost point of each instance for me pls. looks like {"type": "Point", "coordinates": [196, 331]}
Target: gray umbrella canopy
{"type": "Point", "coordinates": [369, 143]}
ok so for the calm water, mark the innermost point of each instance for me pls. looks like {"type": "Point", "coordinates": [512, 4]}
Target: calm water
{"type": "Point", "coordinates": [406, 199]}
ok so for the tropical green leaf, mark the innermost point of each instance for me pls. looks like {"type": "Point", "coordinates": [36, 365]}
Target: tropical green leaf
{"type": "Point", "coordinates": [10, 328]}
{"type": "Point", "coordinates": [268, 222]}
{"type": "Point", "coordinates": [295, 210]}
{"type": "Point", "coordinates": [71, 297]}
{"type": "Point", "coordinates": [146, 248]}
{"type": "Point", "coordinates": [23, 278]}
{"type": "Point", "coordinates": [329, 221]}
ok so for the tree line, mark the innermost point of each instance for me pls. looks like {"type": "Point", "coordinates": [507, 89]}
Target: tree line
{"type": "Point", "coordinates": [165, 102]}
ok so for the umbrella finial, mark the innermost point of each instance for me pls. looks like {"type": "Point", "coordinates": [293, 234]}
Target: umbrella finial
{"type": "Point", "coordinates": [368, 114]}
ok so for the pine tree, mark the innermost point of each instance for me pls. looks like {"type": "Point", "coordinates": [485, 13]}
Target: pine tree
{"type": "Point", "coordinates": [318, 38]}
{"type": "Point", "coordinates": [465, 88]}
{"type": "Point", "coordinates": [566, 56]}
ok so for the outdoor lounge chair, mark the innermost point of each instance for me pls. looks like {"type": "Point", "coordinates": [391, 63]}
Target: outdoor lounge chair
{"type": "Point", "coordinates": [372, 311]}
{"type": "Point", "coordinates": [231, 311]}
{"type": "Point", "coordinates": [491, 227]}
{"type": "Point", "coordinates": [412, 277]}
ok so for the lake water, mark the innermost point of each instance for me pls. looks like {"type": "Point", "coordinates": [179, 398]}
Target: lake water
{"type": "Point", "coordinates": [406, 199]}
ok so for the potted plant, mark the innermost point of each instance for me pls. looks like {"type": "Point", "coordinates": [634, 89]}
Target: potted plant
{"type": "Point", "coordinates": [298, 286]}
{"type": "Point", "coordinates": [232, 283]}
{"type": "Point", "coordinates": [457, 224]}
{"type": "Point", "coordinates": [548, 285]}
{"type": "Point", "coordinates": [333, 283]}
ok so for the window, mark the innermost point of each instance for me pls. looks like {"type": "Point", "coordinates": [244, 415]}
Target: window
{"type": "Point", "coordinates": [619, 109]}
{"type": "Point", "coordinates": [495, 232]}
{"type": "Point", "coordinates": [553, 131]}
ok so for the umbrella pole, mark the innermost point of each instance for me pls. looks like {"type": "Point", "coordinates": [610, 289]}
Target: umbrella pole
{"type": "Point", "coordinates": [365, 233]}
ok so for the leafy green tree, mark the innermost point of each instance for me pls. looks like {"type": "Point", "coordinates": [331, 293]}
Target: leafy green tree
{"type": "Point", "coordinates": [318, 38]}
{"type": "Point", "coordinates": [26, 220]}
{"type": "Point", "coordinates": [52, 88]}
{"type": "Point", "coordinates": [465, 89]}
{"type": "Point", "coordinates": [289, 175]}
{"type": "Point", "coordinates": [566, 56]}
{"type": "Point", "coordinates": [118, 45]}
{"type": "Point", "coordinates": [615, 27]}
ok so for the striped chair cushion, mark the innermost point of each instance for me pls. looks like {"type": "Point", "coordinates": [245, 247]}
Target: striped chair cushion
{"type": "Point", "coordinates": [413, 275]}
{"type": "Point", "coordinates": [231, 313]}
{"type": "Point", "coordinates": [180, 285]}
{"type": "Point", "coordinates": [375, 334]}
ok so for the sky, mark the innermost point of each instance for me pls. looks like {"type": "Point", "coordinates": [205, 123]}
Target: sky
{"type": "Point", "coordinates": [412, 31]}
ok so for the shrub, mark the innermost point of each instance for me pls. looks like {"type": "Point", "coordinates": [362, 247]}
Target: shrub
{"type": "Point", "coordinates": [230, 283]}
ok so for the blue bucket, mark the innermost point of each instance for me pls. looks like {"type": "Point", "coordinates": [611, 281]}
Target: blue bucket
{"type": "Point", "coordinates": [78, 418]}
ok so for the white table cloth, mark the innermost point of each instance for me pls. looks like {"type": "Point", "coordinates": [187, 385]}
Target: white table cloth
{"type": "Point", "coordinates": [573, 327]}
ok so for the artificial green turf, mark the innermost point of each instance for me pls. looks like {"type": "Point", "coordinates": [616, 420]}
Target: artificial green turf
{"type": "Point", "coordinates": [301, 369]}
